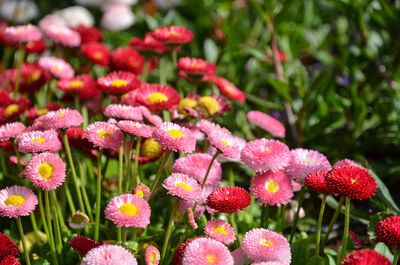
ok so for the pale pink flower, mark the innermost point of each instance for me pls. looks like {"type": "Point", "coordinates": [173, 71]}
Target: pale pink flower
{"type": "Point", "coordinates": [10, 130]}
{"type": "Point", "coordinates": [109, 255]}
{"type": "Point", "coordinates": [207, 127]}
{"type": "Point", "coordinates": [152, 255]}
{"type": "Point", "coordinates": [204, 251]}
{"type": "Point", "coordinates": [347, 162]}
{"type": "Point", "coordinates": [136, 128]}
{"type": "Point", "coordinates": [142, 191]}
{"type": "Point", "coordinates": [267, 123]}
{"type": "Point", "coordinates": [182, 186]}
{"type": "Point", "coordinates": [57, 67]}
{"type": "Point", "coordinates": [62, 35]}
{"type": "Point", "coordinates": [22, 34]}
{"type": "Point", "coordinates": [17, 201]}
{"type": "Point", "coordinates": [152, 118]}
{"type": "Point", "coordinates": [239, 257]}
{"type": "Point", "coordinates": [220, 230]}
{"type": "Point", "coordinates": [38, 141]}
{"type": "Point", "coordinates": [174, 137]}
{"type": "Point", "coordinates": [125, 112]}
{"type": "Point", "coordinates": [104, 135]}
{"type": "Point", "coordinates": [225, 143]}
{"type": "Point", "coordinates": [59, 119]}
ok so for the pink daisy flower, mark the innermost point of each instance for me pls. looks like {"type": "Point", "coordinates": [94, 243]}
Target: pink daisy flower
{"type": "Point", "coordinates": [17, 201]}
{"type": "Point", "coordinates": [203, 251]}
{"type": "Point", "coordinates": [267, 123]}
{"type": "Point", "coordinates": [156, 97]}
{"type": "Point", "coordinates": [238, 142]}
{"type": "Point", "coordinates": [46, 171]}
{"type": "Point", "coordinates": [262, 155]}
{"type": "Point", "coordinates": [22, 34]}
{"type": "Point", "coordinates": [174, 137]}
{"type": "Point", "coordinates": [57, 67]}
{"type": "Point", "coordinates": [202, 203]}
{"type": "Point", "coordinates": [190, 217]}
{"type": "Point", "coordinates": [136, 128]}
{"type": "Point", "coordinates": [347, 162]}
{"type": "Point", "coordinates": [59, 119]}
{"type": "Point", "coordinates": [195, 131]}
{"type": "Point", "coordinates": [182, 186]}
{"type": "Point", "coordinates": [38, 141]}
{"type": "Point", "coordinates": [104, 135]}
{"type": "Point", "coordinates": [225, 143]}
{"type": "Point", "coordinates": [63, 35]}
{"type": "Point", "coordinates": [207, 127]}
{"type": "Point", "coordinates": [173, 35]}
{"type": "Point", "coordinates": [11, 130]}
{"type": "Point", "coordinates": [142, 191]}
{"type": "Point", "coordinates": [118, 82]}
{"type": "Point", "coordinates": [220, 230]}
{"type": "Point", "coordinates": [128, 210]}
{"type": "Point", "coordinates": [272, 188]}
{"type": "Point", "coordinates": [152, 255]}
{"type": "Point", "coordinates": [109, 254]}
{"type": "Point", "coordinates": [118, 111]}
{"type": "Point", "coordinates": [150, 117]}
{"type": "Point", "coordinates": [264, 245]}
{"type": "Point", "coordinates": [306, 161]}
{"type": "Point", "coordinates": [239, 257]}
{"type": "Point", "coordinates": [196, 166]}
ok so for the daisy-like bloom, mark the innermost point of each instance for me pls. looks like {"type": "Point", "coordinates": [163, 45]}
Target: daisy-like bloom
{"type": "Point", "coordinates": [10, 260]}
{"type": "Point", "coordinates": [78, 220]}
{"type": "Point", "coordinates": [10, 130]}
{"type": "Point", "coordinates": [196, 66]}
{"type": "Point", "coordinates": [14, 109]}
{"type": "Point", "coordinates": [173, 35]}
{"type": "Point", "coordinates": [347, 162]}
{"type": "Point", "coordinates": [183, 186]}
{"type": "Point", "coordinates": [267, 123]}
{"type": "Point", "coordinates": [306, 161]}
{"type": "Point", "coordinates": [201, 206]}
{"type": "Point", "coordinates": [152, 255]}
{"type": "Point", "coordinates": [354, 237]}
{"type": "Point", "coordinates": [104, 135]}
{"type": "Point", "coordinates": [142, 191]}
{"type": "Point", "coordinates": [77, 84]}
{"type": "Point", "coordinates": [89, 34]}
{"type": "Point", "coordinates": [135, 128]}
{"type": "Point", "coordinates": [46, 171]}
{"type": "Point", "coordinates": [19, 12]}
{"type": "Point", "coordinates": [109, 254]}
{"type": "Point", "coordinates": [76, 15]}
{"type": "Point", "coordinates": [32, 78]}
{"type": "Point", "coordinates": [207, 127]}
{"type": "Point", "coordinates": [205, 251]}
{"type": "Point", "coordinates": [225, 143]}
{"type": "Point", "coordinates": [220, 230]}
{"type": "Point", "coordinates": [272, 188]}
{"type": "Point", "coordinates": [315, 181]}
{"type": "Point", "coordinates": [62, 35]}
{"type": "Point", "coordinates": [152, 118]}
{"type": "Point", "coordinates": [35, 47]}
{"type": "Point", "coordinates": [238, 143]}
{"type": "Point", "coordinates": [365, 257]}
{"type": "Point", "coordinates": [263, 155]}
{"type": "Point", "coordinates": [156, 97]}
{"type": "Point", "coordinates": [118, 82]}
{"type": "Point", "coordinates": [128, 210]}
{"type": "Point", "coordinates": [227, 88]}
{"type": "Point", "coordinates": [118, 16]}
{"type": "Point", "coordinates": [388, 231]}
{"type": "Point", "coordinates": [180, 250]}
{"type": "Point", "coordinates": [195, 131]}
{"type": "Point", "coordinates": [150, 151]}
{"type": "Point", "coordinates": [38, 141]}
{"type": "Point", "coordinates": [97, 53]}
{"type": "Point", "coordinates": [264, 245]}
{"type": "Point", "coordinates": [22, 34]}
{"type": "Point", "coordinates": [83, 245]}
{"type": "Point", "coordinates": [147, 45]}
{"type": "Point", "coordinates": [196, 165]}
{"type": "Point", "coordinates": [207, 106]}
{"type": "Point", "coordinates": [229, 199]}
{"type": "Point", "coordinates": [8, 247]}
{"type": "Point", "coordinates": [57, 67]}
{"type": "Point", "coordinates": [17, 201]}
{"type": "Point", "coordinates": [127, 59]}
{"type": "Point", "coordinates": [171, 136]}
{"type": "Point", "coordinates": [60, 119]}
{"type": "Point", "coordinates": [118, 111]}
{"type": "Point", "coordinates": [351, 182]}
{"type": "Point", "coordinates": [239, 257]}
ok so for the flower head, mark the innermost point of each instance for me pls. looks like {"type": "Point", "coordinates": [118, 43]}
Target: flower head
{"type": "Point", "coordinates": [89, 34]}
{"type": "Point", "coordinates": [78, 220]}
{"type": "Point", "coordinates": [77, 84]}
{"type": "Point", "coordinates": [272, 188]}
{"type": "Point", "coordinates": [8, 247]}
{"type": "Point", "coordinates": [152, 255]}
{"type": "Point", "coordinates": [174, 137]}
{"type": "Point", "coordinates": [365, 257]}
{"type": "Point", "coordinates": [351, 182]}
{"type": "Point", "coordinates": [10, 260]}
{"type": "Point", "coordinates": [109, 254]}
{"type": "Point", "coordinates": [57, 67]}
{"type": "Point", "coordinates": [173, 35]}
{"type": "Point", "coordinates": [239, 257]}
{"type": "Point", "coordinates": [347, 162]}
{"type": "Point", "coordinates": [388, 231]}
{"type": "Point", "coordinates": [180, 250]}
{"type": "Point", "coordinates": [229, 199]}
{"type": "Point", "coordinates": [63, 35]}
{"type": "Point", "coordinates": [224, 142]}
{"type": "Point", "coordinates": [267, 123]}
{"type": "Point", "coordinates": [136, 128]}
{"type": "Point", "coordinates": [17, 201]}
{"type": "Point", "coordinates": [220, 230]}
{"type": "Point", "coordinates": [182, 186]}
{"type": "Point", "coordinates": [104, 135]}
{"type": "Point", "coordinates": [127, 59]}
{"type": "Point", "coordinates": [147, 45]}
{"type": "Point", "coordinates": [142, 191]}
{"type": "Point", "coordinates": [227, 88]}
{"type": "Point", "coordinates": [22, 34]}
{"type": "Point", "coordinates": [128, 210]}
{"type": "Point", "coordinates": [207, 127]}
{"type": "Point", "coordinates": [156, 97]}
{"type": "Point", "coordinates": [204, 251]}
{"type": "Point", "coordinates": [59, 119]}
{"type": "Point", "coordinates": [97, 53]}
{"type": "Point", "coordinates": [83, 245]}
{"type": "Point", "coordinates": [11, 130]}
{"type": "Point", "coordinates": [118, 82]}
{"type": "Point", "coordinates": [315, 181]}
{"type": "Point", "coordinates": [38, 141]}
{"type": "Point", "coordinates": [118, 111]}
{"type": "Point", "coordinates": [264, 245]}
{"type": "Point", "coordinates": [32, 78]}
{"type": "Point", "coordinates": [118, 16]}
{"type": "Point", "coordinates": [37, 47]}
{"type": "Point", "coordinates": [196, 66]}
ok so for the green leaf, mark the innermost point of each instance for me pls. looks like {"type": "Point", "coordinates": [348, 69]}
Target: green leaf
{"type": "Point", "coordinates": [280, 87]}
{"type": "Point", "coordinates": [211, 50]}
{"type": "Point", "coordinates": [316, 260]}
{"type": "Point", "coordinates": [384, 250]}
{"type": "Point", "coordinates": [383, 193]}
{"type": "Point", "coordinates": [40, 262]}
{"type": "Point", "coordinates": [354, 213]}
{"type": "Point", "coordinates": [300, 250]}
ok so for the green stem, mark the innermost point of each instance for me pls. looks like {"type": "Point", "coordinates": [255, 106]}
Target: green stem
{"type": "Point", "coordinates": [231, 176]}
{"type": "Point", "coordinates": [296, 217]}
{"type": "Point", "coordinates": [137, 154]}
{"type": "Point", "coordinates": [332, 223]}
{"type": "Point", "coordinates": [233, 223]}
{"type": "Point", "coordinates": [22, 236]}
{"type": "Point", "coordinates": [18, 156]}
{"type": "Point", "coordinates": [145, 72]}
{"type": "Point", "coordinates": [69, 197]}
{"type": "Point", "coordinates": [124, 233]}
{"type": "Point", "coordinates": [162, 71]}
{"type": "Point", "coordinates": [58, 209]}
{"type": "Point", "coordinates": [321, 215]}
{"type": "Point", "coordinates": [396, 256]}
{"type": "Point", "coordinates": [3, 162]}
{"type": "Point", "coordinates": [345, 231]}
{"type": "Point", "coordinates": [42, 213]}
{"type": "Point", "coordinates": [21, 57]}
{"type": "Point", "coordinates": [98, 196]}
{"type": "Point", "coordinates": [119, 234]}
{"type": "Point", "coordinates": [120, 168]}
{"type": "Point", "coordinates": [82, 175]}
{"type": "Point", "coordinates": [72, 166]}
{"type": "Point", "coordinates": [264, 216]}
{"type": "Point", "coordinates": [85, 116]}
{"type": "Point", "coordinates": [159, 171]}
{"type": "Point", "coordinates": [175, 205]}
{"type": "Point", "coordinates": [76, 102]}
{"type": "Point", "coordinates": [34, 226]}
{"type": "Point", "coordinates": [58, 243]}
{"type": "Point", "coordinates": [50, 228]}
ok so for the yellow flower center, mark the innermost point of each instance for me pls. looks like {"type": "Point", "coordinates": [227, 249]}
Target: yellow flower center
{"type": "Point", "coordinates": [39, 140]}
{"type": "Point", "coordinates": [210, 104]}
{"type": "Point", "coordinates": [15, 200]}
{"type": "Point", "coordinates": [56, 68]}
{"type": "Point", "coordinates": [30, 45]}
{"type": "Point", "coordinates": [175, 133]}
{"type": "Point", "coordinates": [128, 209]}
{"type": "Point", "coordinates": [272, 186]}
{"type": "Point", "coordinates": [42, 111]}
{"type": "Point", "coordinates": [75, 84]}
{"type": "Point", "coordinates": [224, 142]}
{"type": "Point", "coordinates": [60, 114]}
{"type": "Point", "coordinates": [173, 34]}
{"type": "Point", "coordinates": [210, 258]}
{"type": "Point", "coordinates": [98, 55]}
{"type": "Point", "coordinates": [11, 109]}
{"type": "Point", "coordinates": [184, 185]}
{"type": "Point", "coordinates": [266, 243]}
{"type": "Point", "coordinates": [140, 194]}
{"type": "Point", "coordinates": [45, 170]}
{"type": "Point", "coordinates": [150, 148]}
{"type": "Point", "coordinates": [353, 181]}
{"type": "Point", "coordinates": [157, 97]}
{"type": "Point", "coordinates": [104, 134]}
{"type": "Point", "coordinates": [229, 90]}
{"type": "Point", "coordinates": [185, 103]}
{"type": "Point", "coordinates": [32, 77]}
{"type": "Point", "coordinates": [152, 258]}
{"type": "Point", "coordinates": [119, 83]}
{"type": "Point", "coordinates": [220, 229]}
{"type": "Point", "coordinates": [265, 149]}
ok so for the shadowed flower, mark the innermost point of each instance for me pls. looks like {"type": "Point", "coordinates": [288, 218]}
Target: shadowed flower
{"type": "Point", "coordinates": [365, 257]}
{"type": "Point", "coordinates": [127, 59]}
{"type": "Point", "coordinates": [267, 123]}
{"type": "Point", "coordinates": [152, 255]}
{"type": "Point", "coordinates": [17, 201]}
{"type": "Point", "coordinates": [142, 191]}
{"type": "Point", "coordinates": [10, 260]}
{"type": "Point", "coordinates": [97, 53]}
{"type": "Point", "coordinates": [83, 245]}
{"type": "Point", "coordinates": [388, 231]}
{"type": "Point", "coordinates": [229, 199]}
{"type": "Point", "coordinates": [347, 162]}
{"type": "Point", "coordinates": [220, 230]}
{"type": "Point", "coordinates": [37, 47]}
{"type": "Point", "coordinates": [204, 251]}
{"type": "Point", "coordinates": [78, 220]}
{"type": "Point", "coordinates": [109, 254]}
{"type": "Point", "coordinates": [8, 247]}
{"type": "Point", "coordinates": [180, 250]}
{"type": "Point", "coordinates": [147, 45]}
{"type": "Point", "coordinates": [315, 181]}
{"type": "Point", "coordinates": [136, 128]}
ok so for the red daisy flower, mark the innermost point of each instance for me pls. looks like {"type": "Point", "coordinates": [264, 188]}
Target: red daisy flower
{"type": "Point", "coordinates": [388, 231]}
{"type": "Point", "coordinates": [38, 46]}
{"type": "Point", "coordinates": [118, 82]}
{"type": "Point", "coordinates": [351, 182]}
{"type": "Point", "coordinates": [10, 260]}
{"type": "Point", "coordinates": [76, 138]}
{"type": "Point", "coordinates": [156, 97]}
{"type": "Point", "coordinates": [228, 199]}
{"type": "Point", "coordinates": [127, 59]}
{"type": "Point", "coordinates": [89, 34]}
{"type": "Point", "coordinates": [32, 78]}
{"type": "Point", "coordinates": [196, 66]}
{"type": "Point", "coordinates": [77, 84]}
{"type": "Point", "coordinates": [180, 251]}
{"type": "Point", "coordinates": [97, 53]}
{"type": "Point", "coordinates": [14, 110]}
{"type": "Point", "coordinates": [365, 257]}
{"type": "Point", "coordinates": [174, 35]}
{"type": "Point", "coordinates": [226, 88]}
{"type": "Point", "coordinates": [316, 181]}
{"type": "Point", "coordinates": [83, 245]}
{"type": "Point", "coordinates": [8, 247]}
{"type": "Point", "coordinates": [147, 45]}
